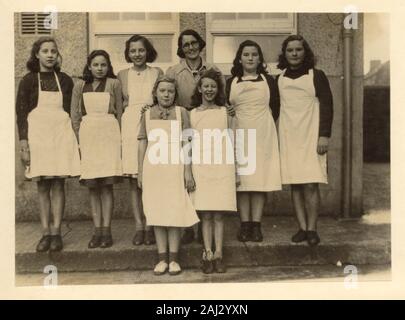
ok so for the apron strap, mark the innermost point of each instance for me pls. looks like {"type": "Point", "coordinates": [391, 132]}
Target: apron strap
{"type": "Point", "coordinates": [57, 81]}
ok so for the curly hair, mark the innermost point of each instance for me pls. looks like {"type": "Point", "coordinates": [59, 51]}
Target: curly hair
{"type": "Point", "coordinates": [87, 75]}
{"type": "Point", "coordinates": [309, 60]}
{"type": "Point", "coordinates": [196, 99]}
{"type": "Point", "coordinates": [33, 61]}
{"type": "Point", "coordinates": [151, 53]}
{"type": "Point", "coordinates": [188, 32]}
{"type": "Point", "coordinates": [155, 87]}
{"type": "Point", "coordinates": [237, 69]}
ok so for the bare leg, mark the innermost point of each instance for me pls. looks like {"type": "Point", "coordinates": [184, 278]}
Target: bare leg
{"type": "Point", "coordinates": [58, 204]}
{"type": "Point", "coordinates": [107, 204]}
{"type": "Point", "coordinates": [174, 239]}
{"type": "Point", "coordinates": [161, 235]}
{"type": "Point", "coordinates": [95, 204]}
{"type": "Point", "coordinates": [218, 234]}
{"type": "Point", "coordinates": [44, 188]}
{"type": "Point", "coordinates": [257, 201]}
{"type": "Point", "coordinates": [312, 201]}
{"type": "Point", "coordinates": [244, 206]}
{"type": "Point", "coordinates": [297, 196]}
{"type": "Point", "coordinates": [207, 229]}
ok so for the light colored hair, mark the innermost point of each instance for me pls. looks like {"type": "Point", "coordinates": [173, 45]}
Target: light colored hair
{"type": "Point", "coordinates": [163, 79]}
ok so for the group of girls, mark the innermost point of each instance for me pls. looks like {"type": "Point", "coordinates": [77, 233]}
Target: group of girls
{"type": "Point", "coordinates": [111, 134]}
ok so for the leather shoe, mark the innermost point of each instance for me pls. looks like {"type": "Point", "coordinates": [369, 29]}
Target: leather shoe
{"type": "Point", "coordinates": [56, 243]}
{"type": "Point", "coordinates": [300, 236]}
{"type": "Point", "coordinates": [149, 237]}
{"type": "Point", "coordinates": [313, 238]}
{"type": "Point", "coordinates": [44, 244]}
{"type": "Point", "coordinates": [219, 266]}
{"type": "Point", "coordinates": [95, 242]}
{"type": "Point", "coordinates": [256, 235]}
{"type": "Point", "coordinates": [138, 238]}
{"type": "Point", "coordinates": [244, 233]}
{"type": "Point", "coordinates": [106, 241]}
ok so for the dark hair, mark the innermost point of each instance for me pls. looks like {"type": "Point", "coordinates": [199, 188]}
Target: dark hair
{"type": "Point", "coordinates": [188, 32]}
{"type": "Point", "coordinates": [237, 69]}
{"type": "Point", "coordinates": [309, 60]}
{"type": "Point", "coordinates": [196, 99]}
{"type": "Point", "coordinates": [33, 61]}
{"type": "Point", "coordinates": [151, 53]}
{"type": "Point", "coordinates": [163, 78]}
{"type": "Point", "coordinates": [87, 75]}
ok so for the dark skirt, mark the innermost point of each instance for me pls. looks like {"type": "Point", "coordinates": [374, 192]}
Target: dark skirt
{"type": "Point", "coordinates": [42, 178]}
{"type": "Point", "coordinates": [100, 182]}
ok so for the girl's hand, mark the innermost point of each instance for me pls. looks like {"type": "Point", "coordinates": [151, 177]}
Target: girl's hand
{"type": "Point", "coordinates": [25, 153]}
{"type": "Point", "coordinates": [323, 143]}
{"type": "Point", "coordinates": [145, 108]}
{"type": "Point", "coordinates": [230, 110]}
{"type": "Point", "coordinates": [189, 181]}
{"type": "Point", "coordinates": [139, 180]}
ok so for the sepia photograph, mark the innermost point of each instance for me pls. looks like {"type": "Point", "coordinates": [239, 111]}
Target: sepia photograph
{"type": "Point", "coordinates": [170, 147]}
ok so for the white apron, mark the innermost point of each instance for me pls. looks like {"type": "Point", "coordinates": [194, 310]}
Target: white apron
{"type": "Point", "coordinates": [215, 183]}
{"type": "Point", "coordinates": [100, 139]}
{"type": "Point", "coordinates": [299, 130]}
{"type": "Point", "coordinates": [140, 94]}
{"type": "Point", "coordinates": [251, 102]}
{"type": "Point", "coordinates": [53, 145]}
{"type": "Point", "coordinates": [165, 199]}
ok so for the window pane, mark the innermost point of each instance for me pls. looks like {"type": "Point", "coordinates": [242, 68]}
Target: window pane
{"type": "Point", "coordinates": [276, 15]}
{"type": "Point", "coordinates": [108, 16]}
{"type": "Point", "coordinates": [115, 46]}
{"type": "Point", "coordinates": [224, 16]}
{"type": "Point", "coordinates": [225, 47]}
{"type": "Point", "coordinates": [250, 15]}
{"type": "Point", "coordinates": [133, 16]}
{"type": "Point", "coordinates": [159, 16]}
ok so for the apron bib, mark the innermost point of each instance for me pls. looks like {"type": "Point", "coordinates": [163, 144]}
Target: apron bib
{"type": "Point", "coordinates": [100, 140]}
{"type": "Point", "coordinates": [164, 196]}
{"type": "Point", "coordinates": [140, 94]}
{"type": "Point", "coordinates": [53, 145]}
{"type": "Point", "coordinates": [251, 102]}
{"type": "Point", "coordinates": [298, 131]}
{"type": "Point", "coordinates": [215, 183]}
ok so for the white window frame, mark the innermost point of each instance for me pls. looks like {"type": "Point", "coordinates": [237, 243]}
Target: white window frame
{"type": "Point", "coordinates": [130, 27]}
{"type": "Point", "coordinates": [252, 27]}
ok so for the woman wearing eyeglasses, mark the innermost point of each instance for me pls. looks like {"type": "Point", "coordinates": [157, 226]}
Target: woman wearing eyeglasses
{"type": "Point", "coordinates": [187, 73]}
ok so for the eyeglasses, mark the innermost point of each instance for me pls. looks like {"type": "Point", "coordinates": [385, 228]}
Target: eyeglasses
{"type": "Point", "coordinates": [193, 44]}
